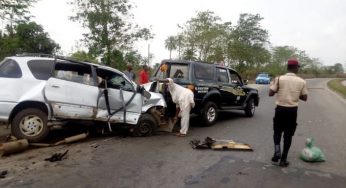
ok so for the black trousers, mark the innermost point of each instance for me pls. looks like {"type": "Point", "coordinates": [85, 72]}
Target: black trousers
{"type": "Point", "coordinates": [285, 121]}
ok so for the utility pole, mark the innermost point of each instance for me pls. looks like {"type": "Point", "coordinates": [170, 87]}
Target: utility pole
{"type": "Point", "coordinates": [148, 54]}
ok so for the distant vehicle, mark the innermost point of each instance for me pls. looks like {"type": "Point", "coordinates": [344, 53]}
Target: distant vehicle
{"type": "Point", "coordinates": [263, 78]}
{"type": "Point", "coordinates": [215, 88]}
{"type": "Point", "coordinates": [40, 92]}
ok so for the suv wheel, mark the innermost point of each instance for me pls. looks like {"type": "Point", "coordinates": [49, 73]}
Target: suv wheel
{"type": "Point", "coordinates": [146, 126]}
{"type": "Point", "coordinates": [30, 124]}
{"type": "Point", "coordinates": [250, 108]}
{"type": "Point", "coordinates": [210, 113]}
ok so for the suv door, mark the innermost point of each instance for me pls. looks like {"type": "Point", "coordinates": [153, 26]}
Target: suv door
{"type": "Point", "coordinates": [71, 91]}
{"type": "Point", "coordinates": [225, 87]}
{"type": "Point", "coordinates": [125, 103]}
{"type": "Point", "coordinates": [237, 88]}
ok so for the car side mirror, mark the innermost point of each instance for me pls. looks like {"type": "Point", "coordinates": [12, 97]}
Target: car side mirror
{"type": "Point", "coordinates": [245, 82]}
{"type": "Point", "coordinates": [123, 83]}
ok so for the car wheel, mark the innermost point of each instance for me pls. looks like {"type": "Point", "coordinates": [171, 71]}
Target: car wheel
{"type": "Point", "coordinates": [30, 124]}
{"type": "Point", "coordinates": [250, 108]}
{"type": "Point", "coordinates": [210, 113]}
{"type": "Point", "coordinates": [146, 126]}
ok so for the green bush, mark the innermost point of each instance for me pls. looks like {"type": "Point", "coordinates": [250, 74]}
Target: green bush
{"type": "Point", "coordinates": [337, 86]}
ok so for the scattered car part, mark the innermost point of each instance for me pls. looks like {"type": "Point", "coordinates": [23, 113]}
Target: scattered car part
{"type": "Point", "coordinates": [3, 174]}
{"type": "Point", "coordinates": [210, 143]}
{"type": "Point", "coordinates": [57, 157]}
{"type": "Point", "coordinates": [72, 139]}
{"type": "Point", "coordinates": [64, 141]}
{"type": "Point", "coordinates": [13, 147]}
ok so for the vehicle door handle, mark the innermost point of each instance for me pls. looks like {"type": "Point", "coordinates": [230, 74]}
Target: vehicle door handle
{"type": "Point", "coordinates": [55, 86]}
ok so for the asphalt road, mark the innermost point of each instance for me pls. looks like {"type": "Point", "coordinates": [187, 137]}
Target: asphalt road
{"type": "Point", "coordinates": [165, 160]}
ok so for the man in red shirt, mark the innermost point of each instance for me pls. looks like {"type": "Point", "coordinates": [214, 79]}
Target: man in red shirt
{"type": "Point", "coordinates": [144, 75]}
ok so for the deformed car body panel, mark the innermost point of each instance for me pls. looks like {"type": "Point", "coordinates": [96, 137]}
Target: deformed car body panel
{"type": "Point", "coordinates": [71, 99]}
{"type": "Point", "coordinates": [156, 99]}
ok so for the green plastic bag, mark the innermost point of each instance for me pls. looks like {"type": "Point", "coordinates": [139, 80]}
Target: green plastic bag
{"type": "Point", "coordinates": [311, 153]}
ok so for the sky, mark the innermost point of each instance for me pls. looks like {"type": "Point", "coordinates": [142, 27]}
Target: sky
{"type": "Point", "coordinates": [316, 26]}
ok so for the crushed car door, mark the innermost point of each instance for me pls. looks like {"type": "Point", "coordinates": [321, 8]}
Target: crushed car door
{"type": "Point", "coordinates": [71, 91]}
{"type": "Point", "coordinates": [124, 102]}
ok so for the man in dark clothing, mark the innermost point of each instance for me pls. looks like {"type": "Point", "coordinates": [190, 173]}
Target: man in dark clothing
{"type": "Point", "coordinates": [289, 88]}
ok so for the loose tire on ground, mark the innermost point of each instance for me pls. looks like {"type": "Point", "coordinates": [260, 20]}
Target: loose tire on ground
{"type": "Point", "coordinates": [146, 126]}
{"type": "Point", "coordinates": [30, 124]}
{"type": "Point", "coordinates": [209, 113]}
{"type": "Point", "coordinates": [250, 108]}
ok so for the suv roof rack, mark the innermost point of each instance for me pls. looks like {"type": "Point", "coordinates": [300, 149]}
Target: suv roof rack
{"type": "Point", "coordinates": [35, 55]}
{"type": "Point", "coordinates": [50, 56]}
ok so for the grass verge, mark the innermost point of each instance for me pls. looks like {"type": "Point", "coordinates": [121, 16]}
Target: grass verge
{"type": "Point", "coordinates": [337, 86]}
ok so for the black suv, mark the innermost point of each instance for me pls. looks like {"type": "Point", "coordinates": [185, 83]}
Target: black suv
{"type": "Point", "coordinates": [215, 87]}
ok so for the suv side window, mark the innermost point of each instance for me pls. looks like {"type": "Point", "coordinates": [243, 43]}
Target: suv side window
{"type": "Point", "coordinates": [204, 71]}
{"type": "Point", "coordinates": [222, 75]}
{"type": "Point", "coordinates": [10, 69]}
{"type": "Point", "coordinates": [73, 72]}
{"type": "Point", "coordinates": [235, 79]}
{"type": "Point", "coordinates": [41, 69]}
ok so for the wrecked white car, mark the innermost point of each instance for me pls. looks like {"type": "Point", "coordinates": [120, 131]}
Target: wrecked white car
{"type": "Point", "coordinates": [38, 93]}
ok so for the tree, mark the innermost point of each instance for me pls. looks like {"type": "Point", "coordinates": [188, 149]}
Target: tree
{"type": "Point", "coordinates": [32, 38]}
{"type": "Point", "coordinates": [190, 55]}
{"type": "Point", "coordinates": [246, 40]}
{"type": "Point", "coordinates": [338, 68]}
{"type": "Point", "coordinates": [84, 56]}
{"type": "Point", "coordinates": [110, 31]}
{"type": "Point", "coordinates": [203, 35]}
{"type": "Point", "coordinates": [171, 44]}
{"type": "Point", "coordinates": [14, 12]}
{"type": "Point", "coordinates": [27, 37]}
{"type": "Point", "coordinates": [180, 44]}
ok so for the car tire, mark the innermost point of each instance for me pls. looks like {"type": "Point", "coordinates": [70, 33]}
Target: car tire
{"type": "Point", "coordinates": [250, 108]}
{"type": "Point", "coordinates": [210, 113]}
{"type": "Point", "coordinates": [30, 124]}
{"type": "Point", "coordinates": [146, 126]}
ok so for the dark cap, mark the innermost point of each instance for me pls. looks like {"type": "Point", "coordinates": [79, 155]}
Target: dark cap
{"type": "Point", "coordinates": [293, 62]}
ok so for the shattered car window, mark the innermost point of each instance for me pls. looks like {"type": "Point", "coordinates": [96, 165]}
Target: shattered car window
{"type": "Point", "coordinates": [114, 80]}
{"type": "Point", "coordinates": [74, 72]}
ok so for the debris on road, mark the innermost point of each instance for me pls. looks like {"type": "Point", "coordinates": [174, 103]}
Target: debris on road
{"type": "Point", "coordinates": [64, 141]}
{"type": "Point", "coordinates": [311, 153]}
{"type": "Point", "coordinates": [57, 157]}
{"type": "Point", "coordinates": [13, 147]}
{"type": "Point", "coordinates": [210, 143]}
{"type": "Point", "coordinates": [72, 139]}
{"type": "Point", "coordinates": [3, 174]}
{"type": "Point", "coordinates": [23, 144]}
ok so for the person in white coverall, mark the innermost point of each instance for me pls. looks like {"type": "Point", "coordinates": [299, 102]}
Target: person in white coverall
{"type": "Point", "coordinates": [183, 98]}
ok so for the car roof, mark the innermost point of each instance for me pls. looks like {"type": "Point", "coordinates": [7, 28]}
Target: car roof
{"type": "Point", "coordinates": [192, 62]}
{"type": "Point", "coordinates": [24, 59]}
